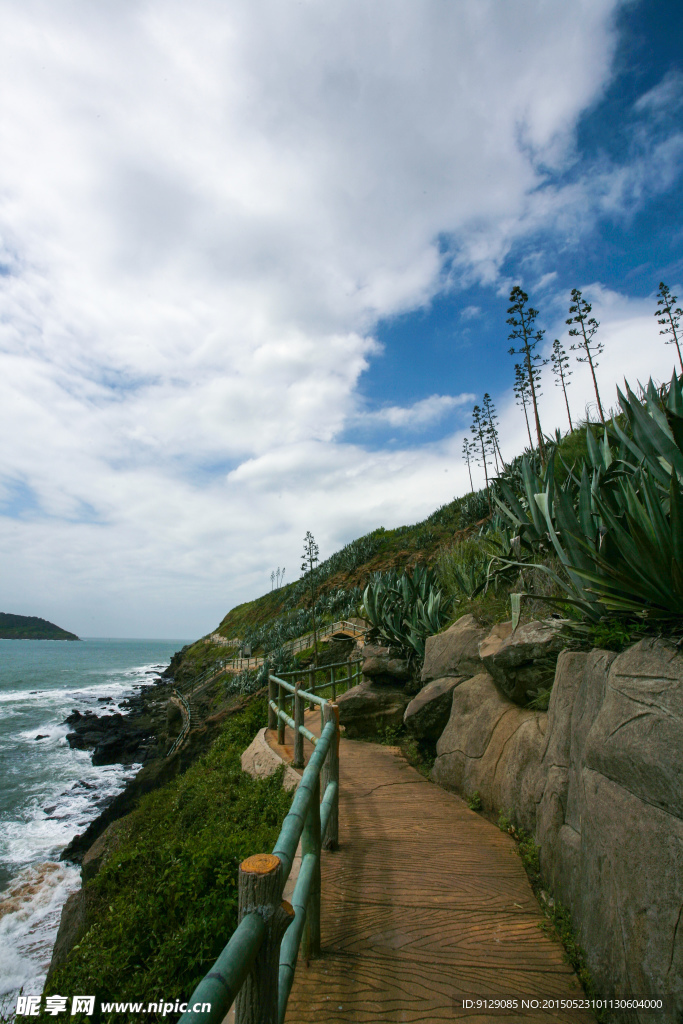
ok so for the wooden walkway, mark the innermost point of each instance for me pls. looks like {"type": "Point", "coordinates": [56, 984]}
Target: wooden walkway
{"type": "Point", "coordinates": [424, 904]}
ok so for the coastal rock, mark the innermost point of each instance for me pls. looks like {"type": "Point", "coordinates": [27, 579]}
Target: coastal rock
{"type": "Point", "coordinates": [72, 926]}
{"type": "Point", "coordinates": [523, 663]}
{"type": "Point", "coordinates": [96, 856]}
{"type": "Point", "coordinates": [427, 714]}
{"type": "Point", "coordinates": [113, 738]}
{"type": "Point", "coordinates": [368, 709]}
{"type": "Point", "coordinates": [455, 652]}
{"type": "Point", "coordinates": [383, 666]}
{"type": "Point", "coordinates": [493, 748]}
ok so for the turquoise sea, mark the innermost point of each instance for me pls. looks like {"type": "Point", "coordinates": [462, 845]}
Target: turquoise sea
{"type": "Point", "coordinates": [49, 792]}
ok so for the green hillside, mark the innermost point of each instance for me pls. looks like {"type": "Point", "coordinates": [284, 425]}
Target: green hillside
{"type": "Point", "coordinates": [30, 627]}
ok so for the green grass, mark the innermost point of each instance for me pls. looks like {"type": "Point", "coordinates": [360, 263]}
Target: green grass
{"type": "Point", "coordinates": [166, 902]}
{"type": "Point", "coordinates": [474, 801]}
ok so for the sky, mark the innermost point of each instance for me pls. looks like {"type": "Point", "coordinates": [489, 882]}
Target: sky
{"type": "Point", "coordinates": [255, 260]}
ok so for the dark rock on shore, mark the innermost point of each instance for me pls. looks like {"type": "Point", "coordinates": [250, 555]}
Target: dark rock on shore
{"type": "Point", "coordinates": [157, 772]}
{"type": "Point", "coordinates": [123, 739]}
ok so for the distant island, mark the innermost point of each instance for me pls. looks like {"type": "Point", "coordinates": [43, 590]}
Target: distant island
{"type": "Point", "coordinates": [30, 627]}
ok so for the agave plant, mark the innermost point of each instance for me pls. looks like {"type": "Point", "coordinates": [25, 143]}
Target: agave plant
{"type": "Point", "coordinates": [619, 534]}
{"type": "Point", "coordinates": [404, 610]}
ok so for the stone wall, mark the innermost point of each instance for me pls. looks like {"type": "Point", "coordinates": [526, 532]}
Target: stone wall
{"type": "Point", "coordinates": [599, 780]}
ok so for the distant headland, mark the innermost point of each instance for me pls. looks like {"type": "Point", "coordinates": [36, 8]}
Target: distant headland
{"type": "Point", "coordinates": [30, 627]}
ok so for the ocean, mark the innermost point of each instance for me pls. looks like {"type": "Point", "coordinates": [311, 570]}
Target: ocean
{"type": "Point", "coordinates": [49, 792]}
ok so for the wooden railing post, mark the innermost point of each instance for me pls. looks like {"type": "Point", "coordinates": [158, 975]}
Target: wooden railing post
{"type": "Point", "coordinates": [310, 843]}
{"type": "Point", "coordinates": [272, 695]}
{"type": "Point", "coordinates": [330, 773]}
{"type": "Point", "coordinates": [298, 761]}
{"type": "Point", "coordinates": [280, 721]}
{"type": "Point", "coordinates": [311, 688]}
{"type": "Point", "coordinates": [260, 892]}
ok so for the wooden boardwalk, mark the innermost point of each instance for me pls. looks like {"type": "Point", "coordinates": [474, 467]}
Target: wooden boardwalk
{"type": "Point", "coordinates": [424, 904]}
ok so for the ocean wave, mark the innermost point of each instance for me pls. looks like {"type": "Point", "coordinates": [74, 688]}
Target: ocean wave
{"type": "Point", "coordinates": [30, 911]}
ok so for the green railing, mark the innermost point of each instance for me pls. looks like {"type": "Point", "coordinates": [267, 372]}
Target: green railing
{"type": "Point", "coordinates": [187, 723]}
{"type": "Point", "coordinates": [256, 968]}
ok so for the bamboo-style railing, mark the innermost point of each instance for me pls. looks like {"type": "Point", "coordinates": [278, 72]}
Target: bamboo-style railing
{"type": "Point", "coordinates": [256, 968]}
{"type": "Point", "coordinates": [187, 722]}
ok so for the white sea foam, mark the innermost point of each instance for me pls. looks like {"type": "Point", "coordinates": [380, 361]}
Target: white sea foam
{"type": "Point", "coordinates": [30, 910]}
{"type": "Point", "coordinates": [51, 792]}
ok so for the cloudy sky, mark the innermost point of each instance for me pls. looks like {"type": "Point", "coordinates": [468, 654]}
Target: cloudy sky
{"type": "Point", "coordinates": [254, 265]}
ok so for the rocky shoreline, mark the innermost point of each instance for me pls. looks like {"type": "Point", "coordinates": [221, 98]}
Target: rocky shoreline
{"type": "Point", "coordinates": [139, 735]}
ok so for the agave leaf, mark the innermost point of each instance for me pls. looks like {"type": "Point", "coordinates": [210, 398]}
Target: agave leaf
{"type": "Point", "coordinates": [651, 431]}
{"type": "Point", "coordinates": [532, 485]}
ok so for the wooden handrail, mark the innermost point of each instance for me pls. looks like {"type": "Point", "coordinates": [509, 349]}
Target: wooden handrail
{"type": "Point", "coordinates": [256, 968]}
{"type": "Point", "coordinates": [187, 724]}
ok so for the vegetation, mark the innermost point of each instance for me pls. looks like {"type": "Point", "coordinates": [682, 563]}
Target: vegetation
{"type": "Point", "coordinates": [165, 903]}
{"type": "Point", "coordinates": [560, 364]}
{"type": "Point", "coordinates": [522, 320]}
{"type": "Point", "coordinates": [30, 627]}
{"type": "Point", "coordinates": [404, 610]}
{"type": "Point", "coordinates": [579, 313]}
{"type": "Point", "coordinates": [616, 523]}
{"type": "Point", "coordinates": [670, 318]}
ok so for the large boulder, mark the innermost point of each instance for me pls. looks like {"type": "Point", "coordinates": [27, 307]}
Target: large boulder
{"type": "Point", "coordinates": [455, 652]}
{"type": "Point", "coordinates": [523, 662]}
{"type": "Point", "coordinates": [368, 709]}
{"type": "Point", "coordinates": [599, 779]}
{"type": "Point", "coordinates": [427, 714]}
{"type": "Point", "coordinates": [383, 665]}
{"type": "Point", "coordinates": [610, 822]}
{"type": "Point", "coordinates": [494, 748]}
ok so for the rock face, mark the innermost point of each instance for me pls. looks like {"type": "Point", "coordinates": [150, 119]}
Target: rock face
{"type": "Point", "coordinates": [494, 748]}
{"type": "Point", "coordinates": [610, 822]}
{"type": "Point", "coordinates": [383, 666]}
{"type": "Point", "coordinates": [599, 779]}
{"type": "Point", "coordinates": [427, 714]}
{"type": "Point", "coordinates": [370, 708]}
{"type": "Point", "coordinates": [455, 652]}
{"type": "Point", "coordinates": [522, 663]}
{"type": "Point", "coordinates": [260, 761]}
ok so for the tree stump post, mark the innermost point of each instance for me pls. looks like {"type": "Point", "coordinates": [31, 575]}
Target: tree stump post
{"type": "Point", "coordinates": [330, 773]}
{"type": "Point", "coordinates": [260, 892]}
{"type": "Point", "coordinates": [298, 761]}
{"type": "Point", "coordinates": [310, 843]}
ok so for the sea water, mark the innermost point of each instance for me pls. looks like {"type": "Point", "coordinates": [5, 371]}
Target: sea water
{"type": "Point", "coordinates": [49, 792]}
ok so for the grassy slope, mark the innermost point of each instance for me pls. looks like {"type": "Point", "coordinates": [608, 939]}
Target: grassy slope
{"type": "Point", "coordinates": [165, 903]}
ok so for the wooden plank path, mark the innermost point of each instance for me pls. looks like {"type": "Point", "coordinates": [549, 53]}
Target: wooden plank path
{"type": "Point", "coordinates": [425, 903]}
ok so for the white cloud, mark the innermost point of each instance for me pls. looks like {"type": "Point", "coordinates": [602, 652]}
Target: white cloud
{"type": "Point", "coordinates": [419, 414]}
{"type": "Point", "coordinates": [470, 312]}
{"type": "Point", "coordinates": [204, 211]}
{"type": "Point", "coordinates": [665, 97]}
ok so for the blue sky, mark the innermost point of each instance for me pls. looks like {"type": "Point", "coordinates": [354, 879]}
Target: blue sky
{"type": "Point", "coordinates": [256, 260]}
{"type": "Point", "coordinates": [461, 334]}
